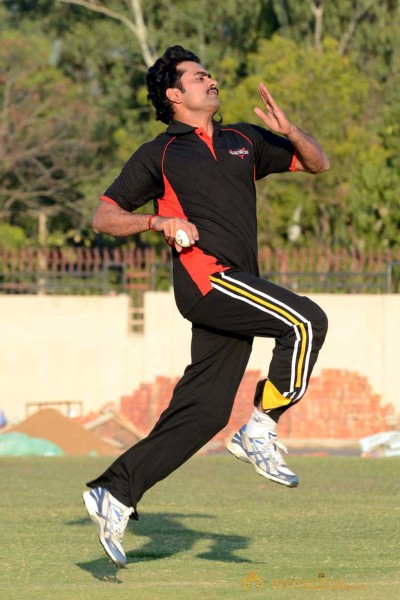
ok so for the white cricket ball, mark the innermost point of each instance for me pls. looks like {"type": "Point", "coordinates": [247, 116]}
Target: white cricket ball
{"type": "Point", "coordinates": [182, 238]}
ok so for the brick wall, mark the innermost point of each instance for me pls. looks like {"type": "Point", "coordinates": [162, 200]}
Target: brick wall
{"type": "Point", "coordinates": [145, 404]}
{"type": "Point", "coordinates": [339, 405]}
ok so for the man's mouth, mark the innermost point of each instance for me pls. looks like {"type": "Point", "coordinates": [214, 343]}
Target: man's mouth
{"type": "Point", "coordinates": [213, 91]}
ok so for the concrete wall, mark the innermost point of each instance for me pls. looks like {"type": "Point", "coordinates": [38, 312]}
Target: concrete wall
{"type": "Point", "coordinates": [80, 348]}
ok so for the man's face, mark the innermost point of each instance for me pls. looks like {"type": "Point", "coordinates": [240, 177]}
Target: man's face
{"type": "Point", "coordinates": [199, 91]}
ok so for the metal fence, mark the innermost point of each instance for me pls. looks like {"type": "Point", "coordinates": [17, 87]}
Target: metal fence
{"type": "Point", "coordinates": [393, 277]}
{"type": "Point", "coordinates": [113, 279]}
{"type": "Point", "coordinates": [133, 271]}
{"type": "Point", "coordinates": [332, 283]}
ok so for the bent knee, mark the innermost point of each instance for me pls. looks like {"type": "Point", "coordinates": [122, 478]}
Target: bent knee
{"type": "Point", "coordinates": [318, 319]}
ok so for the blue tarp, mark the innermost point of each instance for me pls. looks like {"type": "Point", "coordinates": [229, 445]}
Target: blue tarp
{"type": "Point", "coordinates": [20, 444]}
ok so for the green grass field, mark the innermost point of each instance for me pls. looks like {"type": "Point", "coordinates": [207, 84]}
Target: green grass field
{"type": "Point", "coordinates": [214, 529]}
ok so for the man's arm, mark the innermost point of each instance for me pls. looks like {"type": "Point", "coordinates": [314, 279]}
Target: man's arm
{"type": "Point", "coordinates": [310, 155]}
{"type": "Point", "coordinates": [111, 219]}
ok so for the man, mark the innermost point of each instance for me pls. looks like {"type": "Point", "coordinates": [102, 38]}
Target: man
{"type": "Point", "coordinates": [201, 176]}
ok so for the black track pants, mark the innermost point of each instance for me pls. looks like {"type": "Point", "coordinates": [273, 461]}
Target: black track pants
{"type": "Point", "coordinates": [239, 307]}
{"type": "Point", "coordinates": [200, 407]}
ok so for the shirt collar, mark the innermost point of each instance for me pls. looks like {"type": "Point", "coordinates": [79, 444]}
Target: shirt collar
{"type": "Point", "coordinates": [178, 128]}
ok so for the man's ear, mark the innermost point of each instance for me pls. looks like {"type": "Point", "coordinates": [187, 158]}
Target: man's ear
{"type": "Point", "coordinates": [174, 95]}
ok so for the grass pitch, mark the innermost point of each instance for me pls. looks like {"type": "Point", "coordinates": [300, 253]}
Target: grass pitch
{"type": "Point", "coordinates": [213, 529]}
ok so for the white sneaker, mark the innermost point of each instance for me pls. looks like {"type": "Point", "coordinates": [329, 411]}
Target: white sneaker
{"type": "Point", "coordinates": [265, 454]}
{"type": "Point", "coordinates": [111, 518]}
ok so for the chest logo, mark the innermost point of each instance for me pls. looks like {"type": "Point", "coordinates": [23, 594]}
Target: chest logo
{"type": "Point", "coordinates": [241, 152]}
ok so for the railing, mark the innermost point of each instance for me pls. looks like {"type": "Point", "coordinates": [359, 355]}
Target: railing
{"type": "Point", "coordinates": [393, 276]}
{"type": "Point", "coordinates": [88, 271]}
{"type": "Point", "coordinates": [68, 407]}
{"type": "Point", "coordinates": [333, 282]}
{"type": "Point", "coordinates": [83, 271]}
{"type": "Point", "coordinates": [325, 260]}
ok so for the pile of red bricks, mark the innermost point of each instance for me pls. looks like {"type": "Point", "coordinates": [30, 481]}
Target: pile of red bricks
{"type": "Point", "coordinates": [339, 405]}
{"type": "Point", "coordinates": [146, 403]}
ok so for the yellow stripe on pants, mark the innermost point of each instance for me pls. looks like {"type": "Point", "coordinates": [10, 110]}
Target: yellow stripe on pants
{"type": "Point", "coordinates": [276, 309]}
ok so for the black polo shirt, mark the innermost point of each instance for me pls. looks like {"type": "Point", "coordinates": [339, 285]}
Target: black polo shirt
{"type": "Point", "coordinates": [210, 182]}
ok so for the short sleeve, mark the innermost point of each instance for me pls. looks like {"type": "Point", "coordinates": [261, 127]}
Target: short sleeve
{"type": "Point", "coordinates": [273, 153]}
{"type": "Point", "coordinates": [139, 181]}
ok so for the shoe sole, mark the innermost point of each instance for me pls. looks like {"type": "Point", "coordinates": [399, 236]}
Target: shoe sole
{"type": "Point", "coordinates": [237, 451]}
{"type": "Point", "coordinates": [91, 508]}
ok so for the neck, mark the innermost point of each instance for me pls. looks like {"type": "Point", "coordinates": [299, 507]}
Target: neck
{"type": "Point", "coordinates": [201, 121]}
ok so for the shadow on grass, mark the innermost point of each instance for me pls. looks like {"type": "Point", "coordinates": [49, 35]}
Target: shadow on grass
{"type": "Point", "coordinates": [102, 569]}
{"type": "Point", "coordinates": [166, 536]}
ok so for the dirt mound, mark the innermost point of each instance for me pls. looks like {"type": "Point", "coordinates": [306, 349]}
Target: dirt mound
{"type": "Point", "coordinates": [65, 433]}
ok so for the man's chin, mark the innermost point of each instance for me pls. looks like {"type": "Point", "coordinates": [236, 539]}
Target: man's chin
{"type": "Point", "coordinates": [217, 101]}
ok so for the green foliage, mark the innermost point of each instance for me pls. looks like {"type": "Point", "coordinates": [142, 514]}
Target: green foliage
{"type": "Point", "coordinates": [327, 95]}
{"type": "Point", "coordinates": [368, 29]}
{"type": "Point", "coordinates": [47, 136]}
{"type": "Point", "coordinates": [76, 81]}
{"type": "Point", "coordinates": [234, 30]}
{"type": "Point", "coordinates": [12, 237]}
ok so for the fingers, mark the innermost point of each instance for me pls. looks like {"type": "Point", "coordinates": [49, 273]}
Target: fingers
{"type": "Point", "coordinates": [266, 96]}
{"type": "Point", "coordinates": [274, 117]}
{"type": "Point", "coordinates": [170, 226]}
{"type": "Point", "coordinates": [269, 104]}
{"type": "Point", "coordinates": [260, 113]}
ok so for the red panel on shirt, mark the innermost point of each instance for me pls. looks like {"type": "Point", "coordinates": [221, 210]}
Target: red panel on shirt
{"type": "Point", "coordinates": [198, 265]}
{"type": "Point", "coordinates": [108, 200]}
{"type": "Point", "coordinates": [293, 163]}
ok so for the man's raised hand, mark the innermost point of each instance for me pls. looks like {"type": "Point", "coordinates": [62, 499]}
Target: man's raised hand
{"type": "Point", "coordinates": [274, 117]}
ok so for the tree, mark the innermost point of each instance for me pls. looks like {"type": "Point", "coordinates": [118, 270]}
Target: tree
{"type": "Point", "coordinates": [157, 24]}
{"type": "Point", "coordinates": [326, 94]}
{"type": "Point", "coordinates": [77, 102]}
{"type": "Point", "coordinates": [45, 136]}
{"type": "Point", "coordinates": [130, 14]}
{"type": "Point", "coordinates": [366, 28]}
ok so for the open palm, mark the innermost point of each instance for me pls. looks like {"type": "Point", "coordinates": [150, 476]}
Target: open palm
{"type": "Point", "coordinates": [274, 117]}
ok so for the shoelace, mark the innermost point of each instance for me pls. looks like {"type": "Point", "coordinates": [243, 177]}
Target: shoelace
{"type": "Point", "coordinates": [118, 525]}
{"type": "Point", "coordinates": [277, 447]}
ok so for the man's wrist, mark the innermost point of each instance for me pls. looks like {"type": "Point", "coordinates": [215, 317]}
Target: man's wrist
{"type": "Point", "coordinates": [293, 132]}
{"type": "Point", "coordinates": [150, 224]}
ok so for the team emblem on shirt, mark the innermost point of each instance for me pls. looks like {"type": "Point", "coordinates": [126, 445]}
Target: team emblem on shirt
{"type": "Point", "coordinates": [241, 152]}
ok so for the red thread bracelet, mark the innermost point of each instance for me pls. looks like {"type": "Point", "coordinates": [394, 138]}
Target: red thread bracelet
{"type": "Point", "coordinates": [149, 225]}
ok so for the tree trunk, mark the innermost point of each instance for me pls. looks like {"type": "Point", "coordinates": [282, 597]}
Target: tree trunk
{"type": "Point", "coordinates": [135, 23]}
{"type": "Point", "coordinates": [318, 11]}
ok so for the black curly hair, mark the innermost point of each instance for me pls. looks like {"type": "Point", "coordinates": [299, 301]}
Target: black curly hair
{"type": "Point", "coordinates": [163, 75]}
